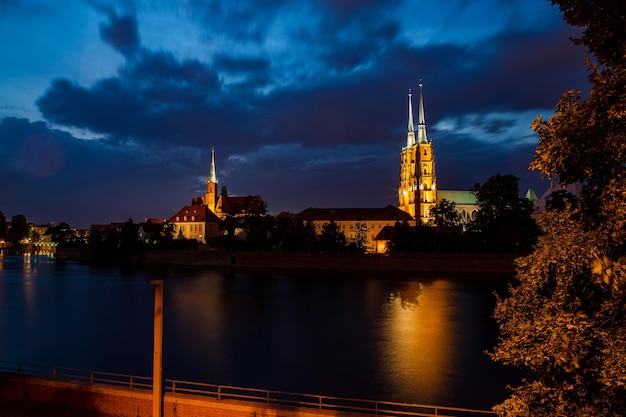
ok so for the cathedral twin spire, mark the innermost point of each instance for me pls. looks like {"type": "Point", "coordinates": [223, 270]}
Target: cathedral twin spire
{"type": "Point", "coordinates": [417, 193]}
{"type": "Point", "coordinates": [421, 122]}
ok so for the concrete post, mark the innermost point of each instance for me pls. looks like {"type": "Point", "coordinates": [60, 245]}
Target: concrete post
{"type": "Point", "coordinates": [157, 368]}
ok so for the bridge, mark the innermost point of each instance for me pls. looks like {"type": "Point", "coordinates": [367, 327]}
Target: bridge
{"type": "Point", "coordinates": [129, 395]}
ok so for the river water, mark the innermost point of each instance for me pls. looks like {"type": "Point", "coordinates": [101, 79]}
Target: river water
{"type": "Point", "coordinates": [414, 338]}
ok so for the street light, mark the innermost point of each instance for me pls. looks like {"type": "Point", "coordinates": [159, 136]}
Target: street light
{"type": "Point", "coordinates": [157, 364]}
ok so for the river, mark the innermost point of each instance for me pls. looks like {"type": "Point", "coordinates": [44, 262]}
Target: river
{"type": "Point", "coordinates": [414, 338]}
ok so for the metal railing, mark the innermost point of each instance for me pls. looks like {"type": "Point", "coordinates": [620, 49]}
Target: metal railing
{"type": "Point", "coordinates": [75, 375]}
{"type": "Point", "coordinates": [319, 402]}
{"type": "Point", "coordinates": [227, 392]}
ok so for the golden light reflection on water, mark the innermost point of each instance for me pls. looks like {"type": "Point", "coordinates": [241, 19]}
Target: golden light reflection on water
{"type": "Point", "coordinates": [418, 339]}
{"type": "Point", "coordinates": [199, 305]}
{"type": "Point", "coordinates": [29, 274]}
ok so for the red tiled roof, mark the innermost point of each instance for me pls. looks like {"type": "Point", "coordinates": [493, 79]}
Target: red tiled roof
{"type": "Point", "coordinates": [346, 214]}
{"type": "Point", "coordinates": [200, 214]}
{"type": "Point", "coordinates": [243, 203]}
{"type": "Point", "coordinates": [385, 233]}
{"type": "Point", "coordinates": [152, 220]}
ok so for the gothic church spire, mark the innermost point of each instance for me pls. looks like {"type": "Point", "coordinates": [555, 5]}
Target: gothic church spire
{"type": "Point", "coordinates": [421, 122]}
{"type": "Point", "coordinates": [410, 136]}
{"type": "Point", "coordinates": [212, 177]}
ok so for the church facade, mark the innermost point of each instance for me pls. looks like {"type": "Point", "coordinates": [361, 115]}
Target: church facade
{"type": "Point", "coordinates": [203, 218]}
{"type": "Point", "coordinates": [418, 193]}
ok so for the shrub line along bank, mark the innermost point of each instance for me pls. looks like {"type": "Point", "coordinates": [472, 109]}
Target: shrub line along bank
{"type": "Point", "coordinates": [427, 262]}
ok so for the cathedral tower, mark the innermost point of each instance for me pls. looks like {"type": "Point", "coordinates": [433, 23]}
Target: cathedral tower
{"type": "Point", "coordinates": [210, 198]}
{"type": "Point", "coordinates": [418, 191]}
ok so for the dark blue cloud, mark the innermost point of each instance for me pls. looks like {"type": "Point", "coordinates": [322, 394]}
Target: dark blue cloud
{"type": "Point", "coordinates": [121, 33]}
{"type": "Point", "coordinates": [49, 175]}
{"type": "Point", "coordinates": [321, 124]}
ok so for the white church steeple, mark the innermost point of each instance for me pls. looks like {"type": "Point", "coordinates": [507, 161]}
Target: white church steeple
{"type": "Point", "coordinates": [410, 136]}
{"type": "Point", "coordinates": [421, 122]}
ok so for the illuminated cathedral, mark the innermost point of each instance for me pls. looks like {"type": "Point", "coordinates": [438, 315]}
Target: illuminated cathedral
{"type": "Point", "coordinates": [203, 218]}
{"type": "Point", "coordinates": [418, 191]}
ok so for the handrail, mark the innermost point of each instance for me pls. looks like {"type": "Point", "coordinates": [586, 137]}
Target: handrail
{"type": "Point", "coordinates": [229, 392]}
{"type": "Point", "coordinates": [77, 375]}
{"type": "Point", "coordinates": [320, 402]}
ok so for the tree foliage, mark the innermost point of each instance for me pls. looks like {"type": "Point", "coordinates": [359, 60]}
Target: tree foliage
{"type": "Point", "coordinates": [566, 318]}
{"type": "Point", "coordinates": [296, 236]}
{"type": "Point", "coordinates": [565, 321]}
{"type": "Point", "coordinates": [18, 230]}
{"type": "Point", "coordinates": [561, 200]}
{"type": "Point", "coordinates": [332, 239]}
{"type": "Point", "coordinates": [445, 214]}
{"type": "Point", "coordinates": [503, 222]}
{"type": "Point", "coordinates": [60, 233]}
{"type": "Point", "coordinates": [3, 226]}
{"type": "Point", "coordinates": [359, 237]}
{"type": "Point", "coordinates": [427, 239]}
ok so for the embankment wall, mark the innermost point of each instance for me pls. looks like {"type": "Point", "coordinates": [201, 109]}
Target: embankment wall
{"type": "Point", "coordinates": [479, 263]}
{"type": "Point", "coordinates": [105, 400]}
{"type": "Point", "coordinates": [102, 399]}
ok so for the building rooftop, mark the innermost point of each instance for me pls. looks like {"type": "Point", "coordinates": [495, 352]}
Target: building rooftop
{"type": "Point", "coordinates": [343, 214]}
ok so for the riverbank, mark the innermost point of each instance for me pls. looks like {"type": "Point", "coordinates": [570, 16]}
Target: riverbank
{"type": "Point", "coordinates": [431, 262]}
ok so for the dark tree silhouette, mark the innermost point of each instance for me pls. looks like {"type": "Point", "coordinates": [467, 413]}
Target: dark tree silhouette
{"type": "Point", "coordinates": [565, 319]}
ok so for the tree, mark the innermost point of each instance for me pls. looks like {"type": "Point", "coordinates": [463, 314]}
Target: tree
{"type": "Point", "coordinates": [503, 220]}
{"type": "Point", "coordinates": [19, 229]}
{"type": "Point", "coordinates": [565, 319]}
{"type": "Point", "coordinates": [332, 239]}
{"type": "Point", "coordinates": [128, 243]}
{"type": "Point", "coordinates": [402, 238]}
{"type": "Point", "coordinates": [561, 200]}
{"type": "Point", "coordinates": [3, 226]}
{"type": "Point", "coordinates": [296, 235]}
{"type": "Point", "coordinates": [60, 233]}
{"type": "Point", "coordinates": [359, 238]}
{"type": "Point", "coordinates": [258, 228]}
{"type": "Point", "coordinates": [445, 214]}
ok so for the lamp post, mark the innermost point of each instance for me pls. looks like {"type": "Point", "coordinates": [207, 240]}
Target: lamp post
{"type": "Point", "coordinates": [157, 364]}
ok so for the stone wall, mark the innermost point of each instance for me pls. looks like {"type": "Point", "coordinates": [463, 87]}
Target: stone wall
{"type": "Point", "coordinates": [101, 399]}
{"type": "Point", "coordinates": [106, 400]}
{"type": "Point", "coordinates": [433, 262]}
{"type": "Point", "coordinates": [482, 263]}
{"type": "Point", "coordinates": [181, 405]}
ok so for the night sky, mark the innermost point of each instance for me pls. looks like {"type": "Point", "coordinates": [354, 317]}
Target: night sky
{"type": "Point", "coordinates": [109, 109]}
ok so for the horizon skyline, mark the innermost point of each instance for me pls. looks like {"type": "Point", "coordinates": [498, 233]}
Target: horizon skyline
{"type": "Point", "coordinates": [110, 109]}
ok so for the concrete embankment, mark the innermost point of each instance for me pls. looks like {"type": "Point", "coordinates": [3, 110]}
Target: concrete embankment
{"type": "Point", "coordinates": [479, 263]}
{"type": "Point", "coordinates": [60, 397]}
{"type": "Point", "coordinates": [78, 398]}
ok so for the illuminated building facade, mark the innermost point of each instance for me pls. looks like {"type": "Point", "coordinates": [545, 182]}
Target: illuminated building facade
{"type": "Point", "coordinates": [373, 220]}
{"type": "Point", "coordinates": [195, 221]}
{"type": "Point", "coordinates": [202, 219]}
{"type": "Point", "coordinates": [210, 198]}
{"type": "Point", "coordinates": [418, 185]}
{"type": "Point", "coordinates": [418, 192]}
